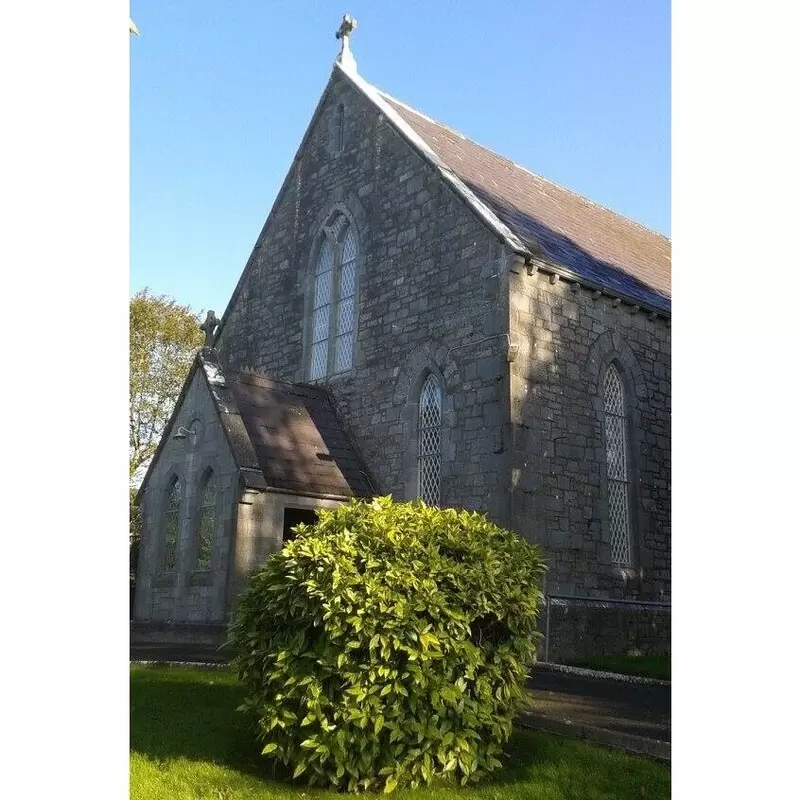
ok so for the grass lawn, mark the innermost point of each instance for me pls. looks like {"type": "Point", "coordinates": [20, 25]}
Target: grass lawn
{"type": "Point", "coordinates": [189, 743]}
{"type": "Point", "coordinates": [643, 666]}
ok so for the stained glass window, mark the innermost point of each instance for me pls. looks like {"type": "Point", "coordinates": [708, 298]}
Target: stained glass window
{"type": "Point", "coordinates": [429, 441]}
{"type": "Point", "coordinates": [345, 330]}
{"type": "Point", "coordinates": [172, 525]}
{"type": "Point", "coordinates": [323, 300]}
{"type": "Point", "coordinates": [206, 521]}
{"type": "Point", "coordinates": [617, 468]}
{"type": "Point", "coordinates": [334, 308]}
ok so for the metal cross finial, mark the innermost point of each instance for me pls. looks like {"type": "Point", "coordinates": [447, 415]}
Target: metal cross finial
{"type": "Point", "coordinates": [347, 27]}
{"type": "Point", "coordinates": [208, 328]}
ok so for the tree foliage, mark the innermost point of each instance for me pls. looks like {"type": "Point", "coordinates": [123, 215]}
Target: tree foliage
{"type": "Point", "coordinates": [164, 337]}
{"type": "Point", "coordinates": [388, 645]}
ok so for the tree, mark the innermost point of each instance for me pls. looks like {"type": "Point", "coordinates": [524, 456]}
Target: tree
{"type": "Point", "coordinates": [164, 338]}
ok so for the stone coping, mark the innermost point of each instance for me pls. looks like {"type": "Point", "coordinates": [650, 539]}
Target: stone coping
{"type": "Point", "coordinates": [584, 672]}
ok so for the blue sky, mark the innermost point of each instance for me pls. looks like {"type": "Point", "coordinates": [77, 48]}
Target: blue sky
{"type": "Point", "coordinates": [221, 93]}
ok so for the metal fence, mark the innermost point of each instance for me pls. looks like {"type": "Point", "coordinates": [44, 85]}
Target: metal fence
{"type": "Point", "coordinates": [596, 602]}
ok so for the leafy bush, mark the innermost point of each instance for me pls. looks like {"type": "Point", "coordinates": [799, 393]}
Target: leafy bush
{"type": "Point", "coordinates": [387, 645]}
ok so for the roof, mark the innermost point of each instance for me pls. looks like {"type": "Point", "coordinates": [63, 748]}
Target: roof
{"type": "Point", "coordinates": [283, 437]}
{"type": "Point", "coordinates": [286, 437]}
{"type": "Point", "coordinates": [592, 243]}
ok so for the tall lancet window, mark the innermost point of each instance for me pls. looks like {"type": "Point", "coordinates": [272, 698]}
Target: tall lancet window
{"type": "Point", "coordinates": [333, 321]}
{"type": "Point", "coordinates": [206, 521]}
{"type": "Point", "coordinates": [617, 466]}
{"type": "Point", "coordinates": [171, 525]}
{"type": "Point", "coordinates": [429, 441]}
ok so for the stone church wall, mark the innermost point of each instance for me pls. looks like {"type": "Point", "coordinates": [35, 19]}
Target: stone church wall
{"type": "Point", "coordinates": [432, 295]}
{"type": "Point", "coordinates": [435, 293]}
{"type": "Point", "coordinates": [566, 338]}
{"type": "Point", "coordinates": [259, 530]}
{"type": "Point", "coordinates": [186, 606]}
{"type": "Point", "coordinates": [184, 595]}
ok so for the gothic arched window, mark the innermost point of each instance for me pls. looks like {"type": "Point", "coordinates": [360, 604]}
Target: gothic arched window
{"type": "Point", "coordinates": [429, 441]}
{"type": "Point", "coordinates": [206, 521]}
{"type": "Point", "coordinates": [171, 525]}
{"type": "Point", "coordinates": [617, 466]}
{"type": "Point", "coordinates": [333, 314]}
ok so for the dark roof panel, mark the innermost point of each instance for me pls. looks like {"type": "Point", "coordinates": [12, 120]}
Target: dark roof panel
{"type": "Point", "coordinates": [596, 244]}
{"type": "Point", "coordinates": [290, 432]}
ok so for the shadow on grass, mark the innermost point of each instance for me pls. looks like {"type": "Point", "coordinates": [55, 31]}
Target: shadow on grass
{"type": "Point", "coordinates": [191, 714]}
{"type": "Point", "coordinates": [181, 713]}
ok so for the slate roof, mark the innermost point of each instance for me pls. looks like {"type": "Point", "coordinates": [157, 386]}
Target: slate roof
{"type": "Point", "coordinates": [286, 437]}
{"type": "Point", "coordinates": [590, 243]}
{"type": "Point", "coordinates": [595, 243]}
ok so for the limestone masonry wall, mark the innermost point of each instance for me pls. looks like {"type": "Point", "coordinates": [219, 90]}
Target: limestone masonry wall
{"type": "Point", "coordinates": [437, 291]}
{"type": "Point", "coordinates": [431, 291]}
{"type": "Point", "coordinates": [566, 339]}
{"type": "Point", "coordinates": [582, 630]}
{"type": "Point", "coordinates": [185, 595]}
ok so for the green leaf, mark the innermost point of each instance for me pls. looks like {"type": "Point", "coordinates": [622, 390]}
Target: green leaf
{"type": "Point", "coordinates": [309, 743]}
{"type": "Point", "coordinates": [270, 748]}
{"type": "Point", "coordinates": [299, 769]}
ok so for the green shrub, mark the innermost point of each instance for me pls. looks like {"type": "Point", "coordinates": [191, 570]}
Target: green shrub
{"type": "Point", "coordinates": [388, 645]}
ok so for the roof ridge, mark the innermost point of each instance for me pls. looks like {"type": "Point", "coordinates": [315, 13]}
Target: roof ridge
{"type": "Point", "coordinates": [536, 175]}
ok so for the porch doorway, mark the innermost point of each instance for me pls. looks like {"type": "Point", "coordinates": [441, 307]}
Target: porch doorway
{"type": "Point", "coordinates": [294, 516]}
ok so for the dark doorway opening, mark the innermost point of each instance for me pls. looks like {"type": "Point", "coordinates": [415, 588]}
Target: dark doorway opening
{"type": "Point", "coordinates": [294, 516]}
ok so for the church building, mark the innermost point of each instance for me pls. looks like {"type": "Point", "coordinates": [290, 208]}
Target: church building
{"type": "Point", "coordinates": [422, 317]}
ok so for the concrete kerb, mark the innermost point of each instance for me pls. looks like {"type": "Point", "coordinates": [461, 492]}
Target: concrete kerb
{"type": "Point", "coordinates": [639, 745]}
{"type": "Point", "coordinates": [583, 672]}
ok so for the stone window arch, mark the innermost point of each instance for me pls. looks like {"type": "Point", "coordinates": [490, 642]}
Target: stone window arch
{"type": "Point", "coordinates": [616, 433]}
{"type": "Point", "coordinates": [206, 520]}
{"type": "Point", "coordinates": [429, 441]}
{"type": "Point", "coordinates": [171, 524]}
{"type": "Point", "coordinates": [429, 358]}
{"type": "Point", "coordinates": [332, 318]}
{"type": "Point", "coordinates": [612, 363]}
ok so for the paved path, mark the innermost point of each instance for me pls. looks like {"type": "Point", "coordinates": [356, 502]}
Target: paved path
{"type": "Point", "coordinates": [634, 716]}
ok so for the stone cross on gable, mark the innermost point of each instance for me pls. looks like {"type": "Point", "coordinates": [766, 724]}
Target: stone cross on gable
{"type": "Point", "coordinates": [345, 57]}
{"type": "Point", "coordinates": [208, 328]}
